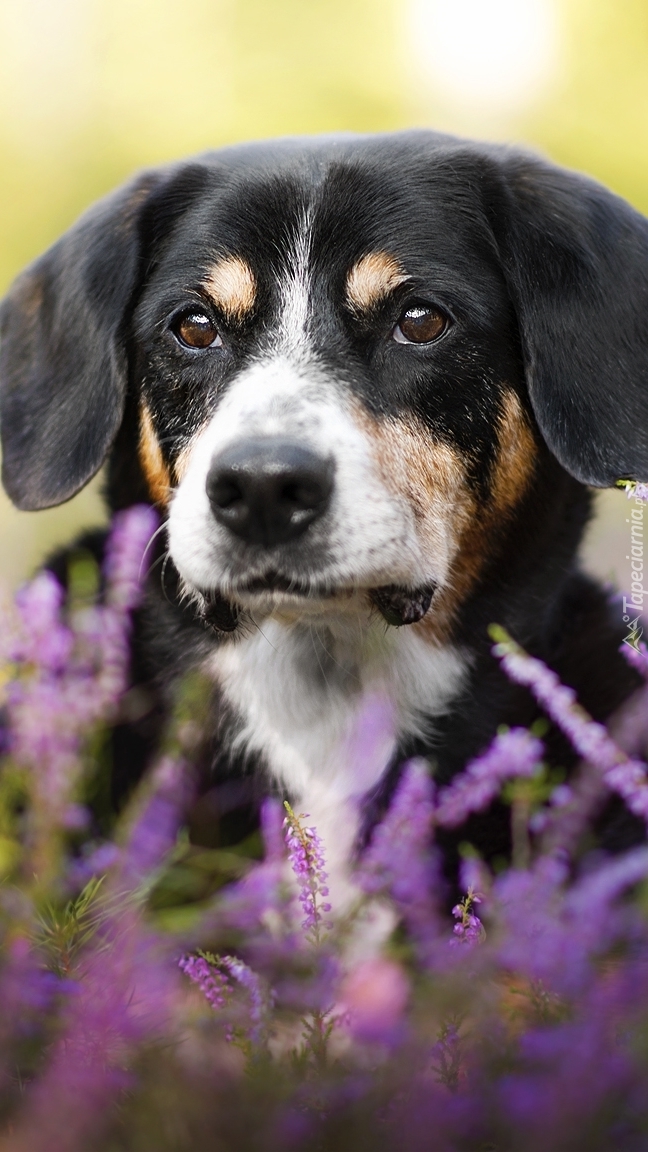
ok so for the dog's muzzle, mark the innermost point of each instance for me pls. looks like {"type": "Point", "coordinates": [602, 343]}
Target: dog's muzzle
{"type": "Point", "coordinates": [269, 491]}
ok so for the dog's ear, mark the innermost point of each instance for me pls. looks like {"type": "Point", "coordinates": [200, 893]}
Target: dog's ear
{"type": "Point", "coordinates": [63, 370]}
{"type": "Point", "coordinates": [575, 259]}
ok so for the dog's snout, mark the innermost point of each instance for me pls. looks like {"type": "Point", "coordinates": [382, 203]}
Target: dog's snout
{"type": "Point", "coordinates": [269, 491]}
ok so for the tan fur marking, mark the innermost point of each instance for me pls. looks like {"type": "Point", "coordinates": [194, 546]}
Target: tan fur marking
{"type": "Point", "coordinates": [432, 476]}
{"type": "Point", "coordinates": [151, 459]}
{"type": "Point", "coordinates": [183, 459]}
{"type": "Point", "coordinates": [515, 458]}
{"type": "Point", "coordinates": [231, 284]}
{"type": "Point", "coordinates": [372, 279]}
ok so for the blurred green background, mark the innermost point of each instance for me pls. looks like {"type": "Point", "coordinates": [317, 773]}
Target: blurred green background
{"type": "Point", "coordinates": [92, 89]}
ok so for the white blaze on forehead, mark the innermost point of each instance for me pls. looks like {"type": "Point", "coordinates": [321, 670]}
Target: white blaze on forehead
{"type": "Point", "coordinates": [295, 289]}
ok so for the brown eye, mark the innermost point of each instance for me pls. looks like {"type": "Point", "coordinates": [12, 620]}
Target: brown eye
{"type": "Point", "coordinates": [196, 330]}
{"type": "Point", "coordinates": [420, 324]}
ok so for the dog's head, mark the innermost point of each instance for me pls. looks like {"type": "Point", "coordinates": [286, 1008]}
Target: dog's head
{"type": "Point", "coordinates": [344, 357]}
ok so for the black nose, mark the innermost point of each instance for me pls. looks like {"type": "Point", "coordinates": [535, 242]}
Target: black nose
{"type": "Point", "coordinates": [269, 491]}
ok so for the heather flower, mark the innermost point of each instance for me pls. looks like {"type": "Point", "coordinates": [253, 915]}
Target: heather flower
{"type": "Point", "coordinates": [126, 991]}
{"type": "Point", "coordinates": [212, 983]}
{"type": "Point", "coordinates": [634, 489]}
{"type": "Point", "coordinates": [572, 1083]}
{"type": "Point", "coordinates": [153, 830]}
{"type": "Point", "coordinates": [258, 1000]}
{"type": "Point", "coordinates": [590, 739]}
{"type": "Point", "coordinates": [69, 676]}
{"type": "Point", "coordinates": [534, 1040]}
{"type": "Point", "coordinates": [592, 906]}
{"type": "Point", "coordinates": [95, 860]}
{"type": "Point", "coordinates": [637, 655]}
{"type": "Point", "coordinates": [532, 937]}
{"type": "Point", "coordinates": [399, 859]}
{"type": "Point", "coordinates": [513, 753]}
{"type": "Point", "coordinates": [372, 739]}
{"type": "Point", "coordinates": [131, 534]}
{"type": "Point", "coordinates": [306, 856]}
{"type": "Point", "coordinates": [469, 929]}
{"type": "Point", "coordinates": [28, 992]}
{"type": "Point", "coordinates": [125, 997]}
{"type": "Point", "coordinates": [475, 876]}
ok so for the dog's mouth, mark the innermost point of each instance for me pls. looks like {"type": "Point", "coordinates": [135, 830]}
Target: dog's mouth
{"type": "Point", "coordinates": [398, 605]}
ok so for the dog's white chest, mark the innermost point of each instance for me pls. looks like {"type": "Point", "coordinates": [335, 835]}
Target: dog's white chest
{"type": "Point", "coordinates": [325, 704]}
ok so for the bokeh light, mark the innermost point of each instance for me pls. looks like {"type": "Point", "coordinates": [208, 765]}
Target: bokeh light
{"type": "Point", "coordinates": [486, 58]}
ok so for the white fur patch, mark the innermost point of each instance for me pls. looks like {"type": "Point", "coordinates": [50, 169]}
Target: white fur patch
{"type": "Point", "coordinates": [292, 336]}
{"type": "Point", "coordinates": [325, 704]}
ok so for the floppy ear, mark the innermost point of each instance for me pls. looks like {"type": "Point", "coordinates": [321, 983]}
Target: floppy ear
{"type": "Point", "coordinates": [576, 261]}
{"type": "Point", "coordinates": [63, 370]}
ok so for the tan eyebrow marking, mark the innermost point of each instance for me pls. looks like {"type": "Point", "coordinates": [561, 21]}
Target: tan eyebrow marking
{"type": "Point", "coordinates": [152, 461]}
{"type": "Point", "coordinates": [231, 284]}
{"type": "Point", "coordinates": [371, 279]}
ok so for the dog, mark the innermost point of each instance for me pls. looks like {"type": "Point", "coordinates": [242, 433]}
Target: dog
{"type": "Point", "coordinates": [369, 382]}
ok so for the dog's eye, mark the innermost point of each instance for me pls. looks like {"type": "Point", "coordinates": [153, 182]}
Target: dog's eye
{"type": "Point", "coordinates": [196, 330]}
{"type": "Point", "coordinates": [421, 324]}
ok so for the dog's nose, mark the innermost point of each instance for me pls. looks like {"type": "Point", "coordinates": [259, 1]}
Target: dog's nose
{"type": "Point", "coordinates": [269, 491]}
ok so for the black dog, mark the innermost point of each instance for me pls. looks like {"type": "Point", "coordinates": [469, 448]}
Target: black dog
{"type": "Point", "coordinates": [369, 380]}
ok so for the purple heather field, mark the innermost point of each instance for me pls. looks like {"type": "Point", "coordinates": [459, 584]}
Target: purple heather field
{"type": "Point", "coordinates": [157, 996]}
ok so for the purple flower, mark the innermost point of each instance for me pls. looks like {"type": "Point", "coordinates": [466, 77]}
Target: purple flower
{"type": "Point", "coordinates": [306, 856]}
{"type": "Point", "coordinates": [212, 983]}
{"type": "Point", "coordinates": [41, 638]}
{"type": "Point", "coordinates": [372, 739]}
{"type": "Point", "coordinates": [69, 676]}
{"type": "Point", "coordinates": [96, 860]}
{"type": "Point", "coordinates": [532, 937]}
{"type": "Point", "coordinates": [259, 1001]}
{"type": "Point", "coordinates": [153, 830]}
{"type": "Point", "coordinates": [637, 656]}
{"type": "Point", "coordinates": [514, 753]}
{"type": "Point", "coordinates": [131, 534]}
{"type": "Point", "coordinates": [126, 989]}
{"type": "Point", "coordinates": [590, 739]}
{"type": "Point", "coordinates": [27, 995]}
{"type": "Point", "coordinates": [399, 859]}
{"type": "Point", "coordinates": [634, 489]}
{"type": "Point", "coordinates": [469, 929]}
{"type": "Point", "coordinates": [125, 996]}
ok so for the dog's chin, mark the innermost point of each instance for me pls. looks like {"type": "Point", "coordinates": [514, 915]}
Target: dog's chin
{"type": "Point", "coordinates": [276, 593]}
